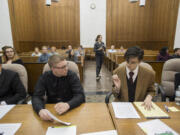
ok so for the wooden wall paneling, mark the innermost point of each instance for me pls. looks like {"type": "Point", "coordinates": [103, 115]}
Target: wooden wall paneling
{"type": "Point", "coordinates": [152, 26]}
{"type": "Point", "coordinates": [42, 25]}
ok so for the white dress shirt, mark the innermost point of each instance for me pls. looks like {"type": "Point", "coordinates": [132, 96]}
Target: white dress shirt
{"type": "Point", "coordinates": [134, 71]}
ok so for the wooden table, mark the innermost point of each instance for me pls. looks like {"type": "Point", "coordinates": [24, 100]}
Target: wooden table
{"type": "Point", "coordinates": [89, 117]}
{"type": "Point", "coordinates": [130, 127]}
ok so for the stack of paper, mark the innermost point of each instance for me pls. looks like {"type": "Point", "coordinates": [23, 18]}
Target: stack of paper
{"type": "Point", "coordinates": [110, 132]}
{"type": "Point", "coordinates": [9, 129]}
{"type": "Point", "coordinates": [5, 109]}
{"type": "Point", "coordinates": [153, 113]}
{"type": "Point", "coordinates": [70, 130]}
{"type": "Point", "coordinates": [58, 120]}
{"type": "Point", "coordinates": [150, 128]}
{"type": "Point", "coordinates": [124, 110]}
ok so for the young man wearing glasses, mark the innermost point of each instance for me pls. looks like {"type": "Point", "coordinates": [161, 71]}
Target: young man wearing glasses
{"type": "Point", "coordinates": [62, 88]}
{"type": "Point", "coordinates": [133, 82]}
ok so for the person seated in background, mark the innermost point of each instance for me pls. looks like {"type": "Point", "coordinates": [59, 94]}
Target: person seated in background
{"type": "Point", "coordinates": [133, 82]}
{"type": "Point", "coordinates": [10, 56]}
{"type": "Point", "coordinates": [36, 52]}
{"type": "Point", "coordinates": [11, 87]}
{"type": "Point", "coordinates": [61, 86]}
{"type": "Point", "coordinates": [53, 51]}
{"type": "Point", "coordinates": [122, 50]}
{"type": "Point", "coordinates": [163, 54]}
{"type": "Point", "coordinates": [176, 53]}
{"type": "Point", "coordinates": [44, 56]}
{"type": "Point", "coordinates": [177, 81]}
{"type": "Point", "coordinates": [112, 50]}
{"type": "Point", "coordinates": [78, 53]}
{"type": "Point", "coordinates": [70, 53]}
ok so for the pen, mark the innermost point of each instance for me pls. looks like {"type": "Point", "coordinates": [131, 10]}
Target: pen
{"type": "Point", "coordinates": [166, 108]}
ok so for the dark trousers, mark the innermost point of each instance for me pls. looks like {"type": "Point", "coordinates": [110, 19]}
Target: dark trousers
{"type": "Point", "coordinates": [99, 62]}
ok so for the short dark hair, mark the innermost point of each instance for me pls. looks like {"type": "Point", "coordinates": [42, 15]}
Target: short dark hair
{"type": "Point", "coordinates": [134, 52]}
{"type": "Point", "coordinates": [55, 59]}
{"type": "Point", "coordinates": [176, 49]}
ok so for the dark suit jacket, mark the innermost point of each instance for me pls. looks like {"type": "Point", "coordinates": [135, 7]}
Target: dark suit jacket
{"type": "Point", "coordinates": [177, 80]}
{"type": "Point", "coordinates": [144, 86]}
{"type": "Point", "coordinates": [11, 88]}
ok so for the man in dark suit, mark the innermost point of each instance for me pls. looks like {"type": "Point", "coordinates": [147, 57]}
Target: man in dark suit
{"type": "Point", "coordinates": [11, 87]}
{"type": "Point", "coordinates": [133, 82]}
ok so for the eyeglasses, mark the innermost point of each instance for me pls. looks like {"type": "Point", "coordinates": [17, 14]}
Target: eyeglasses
{"type": "Point", "coordinates": [63, 67]}
{"type": "Point", "coordinates": [9, 51]}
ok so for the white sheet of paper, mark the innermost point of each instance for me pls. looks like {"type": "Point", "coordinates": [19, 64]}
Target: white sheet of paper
{"type": "Point", "coordinates": [4, 109]}
{"type": "Point", "coordinates": [110, 132]}
{"type": "Point", "coordinates": [150, 127]}
{"type": "Point", "coordinates": [70, 130]}
{"type": "Point", "coordinates": [124, 110]}
{"type": "Point", "coordinates": [9, 129]}
{"type": "Point", "coordinates": [58, 120]}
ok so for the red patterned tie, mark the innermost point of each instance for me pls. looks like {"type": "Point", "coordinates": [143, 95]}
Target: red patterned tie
{"type": "Point", "coordinates": [131, 77]}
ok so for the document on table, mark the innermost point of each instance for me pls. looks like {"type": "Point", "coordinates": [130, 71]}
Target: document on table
{"type": "Point", "coordinates": [58, 120]}
{"type": "Point", "coordinates": [153, 113]}
{"type": "Point", "coordinates": [173, 109]}
{"type": "Point", "coordinates": [110, 132]}
{"type": "Point", "coordinates": [150, 128]}
{"type": "Point", "coordinates": [9, 128]}
{"type": "Point", "coordinates": [69, 130]}
{"type": "Point", "coordinates": [4, 109]}
{"type": "Point", "coordinates": [124, 110]}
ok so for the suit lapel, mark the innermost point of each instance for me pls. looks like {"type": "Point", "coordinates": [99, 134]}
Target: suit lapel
{"type": "Point", "coordinates": [124, 84]}
{"type": "Point", "coordinates": [139, 84]}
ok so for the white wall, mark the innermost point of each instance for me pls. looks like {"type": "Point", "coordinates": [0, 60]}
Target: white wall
{"type": "Point", "coordinates": [177, 37]}
{"type": "Point", "coordinates": [5, 26]}
{"type": "Point", "coordinates": [92, 22]}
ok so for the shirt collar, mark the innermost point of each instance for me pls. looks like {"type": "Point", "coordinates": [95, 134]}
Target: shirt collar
{"type": "Point", "coordinates": [135, 71]}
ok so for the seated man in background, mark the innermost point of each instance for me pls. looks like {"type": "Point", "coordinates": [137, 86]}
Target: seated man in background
{"type": "Point", "coordinates": [44, 56]}
{"type": "Point", "coordinates": [112, 50]}
{"type": "Point", "coordinates": [36, 52]}
{"type": "Point", "coordinates": [176, 53]}
{"type": "Point", "coordinates": [62, 87]}
{"type": "Point", "coordinates": [78, 53]}
{"type": "Point", "coordinates": [53, 51]}
{"type": "Point", "coordinates": [133, 82]}
{"type": "Point", "coordinates": [10, 56]}
{"type": "Point", "coordinates": [70, 53]}
{"type": "Point", "coordinates": [11, 87]}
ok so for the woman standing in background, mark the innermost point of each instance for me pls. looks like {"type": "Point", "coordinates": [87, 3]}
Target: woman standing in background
{"type": "Point", "coordinates": [99, 49]}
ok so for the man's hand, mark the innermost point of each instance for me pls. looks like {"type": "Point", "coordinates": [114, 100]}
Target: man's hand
{"type": "Point", "coordinates": [43, 113]}
{"type": "Point", "coordinates": [61, 107]}
{"type": "Point", "coordinates": [148, 102]}
{"type": "Point", "coordinates": [117, 82]}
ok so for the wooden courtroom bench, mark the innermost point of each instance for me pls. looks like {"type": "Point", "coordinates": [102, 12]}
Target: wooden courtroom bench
{"type": "Point", "coordinates": [89, 117]}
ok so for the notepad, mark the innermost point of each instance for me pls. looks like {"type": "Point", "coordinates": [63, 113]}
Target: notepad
{"type": "Point", "coordinates": [124, 110]}
{"type": "Point", "coordinates": [68, 130]}
{"type": "Point", "coordinates": [9, 128]}
{"type": "Point", "coordinates": [110, 132]}
{"type": "Point", "coordinates": [153, 113]}
{"type": "Point", "coordinates": [4, 109]}
{"type": "Point", "coordinates": [150, 128]}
